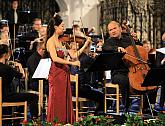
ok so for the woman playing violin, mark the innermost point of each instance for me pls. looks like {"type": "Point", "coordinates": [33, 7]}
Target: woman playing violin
{"type": "Point", "coordinates": [60, 97]}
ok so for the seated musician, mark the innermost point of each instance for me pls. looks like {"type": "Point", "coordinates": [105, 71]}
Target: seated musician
{"type": "Point", "coordinates": [32, 64]}
{"type": "Point", "coordinates": [35, 28]}
{"type": "Point", "coordinates": [42, 34]}
{"type": "Point", "coordinates": [147, 46]}
{"type": "Point", "coordinates": [117, 43]}
{"type": "Point", "coordinates": [8, 73]}
{"type": "Point", "coordinates": [152, 64]}
{"type": "Point", "coordinates": [4, 34]}
{"type": "Point", "coordinates": [151, 53]}
{"type": "Point", "coordinates": [87, 86]}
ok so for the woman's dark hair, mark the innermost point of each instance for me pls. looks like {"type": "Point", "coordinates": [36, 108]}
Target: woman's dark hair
{"type": "Point", "coordinates": [2, 25]}
{"type": "Point", "coordinates": [55, 21]}
{"type": "Point", "coordinates": [3, 49]}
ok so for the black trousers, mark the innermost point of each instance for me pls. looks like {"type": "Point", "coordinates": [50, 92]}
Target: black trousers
{"type": "Point", "coordinates": [34, 86]}
{"type": "Point", "coordinates": [93, 94]}
{"type": "Point", "coordinates": [151, 98]}
{"type": "Point", "coordinates": [32, 100]}
{"type": "Point", "coordinates": [123, 81]}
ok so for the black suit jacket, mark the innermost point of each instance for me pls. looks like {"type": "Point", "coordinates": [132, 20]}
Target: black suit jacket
{"type": "Point", "coordinates": [111, 45]}
{"type": "Point", "coordinates": [8, 73]}
{"type": "Point", "coordinates": [10, 18]}
{"type": "Point", "coordinates": [159, 58]}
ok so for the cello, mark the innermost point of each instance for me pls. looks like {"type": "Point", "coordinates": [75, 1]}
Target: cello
{"type": "Point", "coordinates": [136, 59]}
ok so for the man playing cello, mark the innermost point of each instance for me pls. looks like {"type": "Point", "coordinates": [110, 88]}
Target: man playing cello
{"type": "Point", "coordinates": [117, 43]}
{"type": "Point", "coordinates": [132, 70]}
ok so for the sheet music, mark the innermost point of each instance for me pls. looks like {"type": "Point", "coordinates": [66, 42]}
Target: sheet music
{"type": "Point", "coordinates": [42, 70]}
{"type": "Point", "coordinates": [161, 50]}
{"type": "Point", "coordinates": [108, 74]}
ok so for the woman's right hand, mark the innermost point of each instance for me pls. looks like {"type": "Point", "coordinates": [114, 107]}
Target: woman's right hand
{"type": "Point", "coordinates": [76, 63]}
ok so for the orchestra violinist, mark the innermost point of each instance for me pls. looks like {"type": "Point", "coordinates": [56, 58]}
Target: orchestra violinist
{"type": "Point", "coordinates": [40, 38]}
{"type": "Point", "coordinates": [4, 34]}
{"type": "Point", "coordinates": [9, 94]}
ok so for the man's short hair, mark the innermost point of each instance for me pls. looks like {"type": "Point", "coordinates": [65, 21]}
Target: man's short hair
{"type": "Point", "coordinates": [114, 22]}
{"type": "Point", "coordinates": [36, 19]}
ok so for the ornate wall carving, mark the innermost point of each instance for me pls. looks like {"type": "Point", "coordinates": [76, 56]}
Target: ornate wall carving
{"type": "Point", "coordinates": [112, 10]}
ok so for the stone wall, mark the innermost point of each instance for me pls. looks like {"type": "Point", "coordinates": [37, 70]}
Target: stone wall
{"type": "Point", "coordinates": [146, 17]}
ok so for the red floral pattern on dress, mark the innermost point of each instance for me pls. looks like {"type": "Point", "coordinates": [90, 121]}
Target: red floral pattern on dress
{"type": "Point", "coordinates": [60, 53]}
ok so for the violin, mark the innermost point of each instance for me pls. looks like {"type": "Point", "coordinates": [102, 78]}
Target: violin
{"type": "Point", "coordinates": [70, 38]}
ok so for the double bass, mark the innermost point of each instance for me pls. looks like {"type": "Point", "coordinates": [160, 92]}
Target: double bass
{"type": "Point", "coordinates": [136, 59]}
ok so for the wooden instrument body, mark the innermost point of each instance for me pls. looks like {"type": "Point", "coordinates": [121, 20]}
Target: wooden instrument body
{"type": "Point", "coordinates": [138, 68]}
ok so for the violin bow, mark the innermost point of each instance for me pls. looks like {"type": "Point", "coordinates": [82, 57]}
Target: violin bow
{"type": "Point", "coordinates": [10, 44]}
{"type": "Point", "coordinates": [82, 25]}
{"type": "Point", "coordinates": [102, 34]}
{"type": "Point", "coordinates": [83, 30]}
{"type": "Point", "coordinates": [74, 39]}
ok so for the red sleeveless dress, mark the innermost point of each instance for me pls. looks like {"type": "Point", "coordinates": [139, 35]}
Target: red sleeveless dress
{"type": "Point", "coordinates": [60, 95]}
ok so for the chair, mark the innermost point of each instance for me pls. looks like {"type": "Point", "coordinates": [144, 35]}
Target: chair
{"type": "Point", "coordinates": [79, 100]}
{"type": "Point", "coordinates": [39, 92]}
{"type": "Point", "coordinates": [116, 96]}
{"type": "Point", "coordinates": [11, 104]}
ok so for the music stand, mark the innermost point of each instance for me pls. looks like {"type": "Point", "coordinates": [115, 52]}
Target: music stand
{"type": "Point", "coordinates": [152, 60]}
{"type": "Point", "coordinates": [42, 72]}
{"type": "Point", "coordinates": [154, 77]}
{"type": "Point", "coordinates": [106, 61]}
{"type": "Point", "coordinates": [26, 17]}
